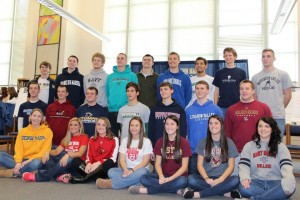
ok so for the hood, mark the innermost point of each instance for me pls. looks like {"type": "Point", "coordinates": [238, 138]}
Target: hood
{"type": "Point", "coordinates": [65, 71]}
{"type": "Point", "coordinates": [169, 73]}
{"type": "Point", "coordinates": [159, 103]}
{"type": "Point", "coordinates": [204, 105]}
{"type": "Point", "coordinates": [64, 103]}
{"type": "Point", "coordinates": [42, 127]}
{"type": "Point", "coordinates": [127, 69]}
{"type": "Point", "coordinates": [96, 72]}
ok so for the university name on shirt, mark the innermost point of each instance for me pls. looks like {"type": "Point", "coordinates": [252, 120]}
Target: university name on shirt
{"type": "Point", "coordinates": [268, 83]}
{"type": "Point", "coordinates": [173, 81]}
{"type": "Point", "coordinates": [27, 111]}
{"type": "Point", "coordinates": [264, 159]}
{"type": "Point", "coordinates": [32, 138]}
{"type": "Point", "coordinates": [170, 153]}
{"type": "Point", "coordinates": [94, 79]}
{"type": "Point", "coordinates": [70, 82]}
{"type": "Point", "coordinates": [164, 115]}
{"type": "Point", "coordinates": [200, 117]}
{"type": "Point", "coordinates": [246, 112]}
{"type": "Point", "coordinates": [120, 79]}
{"type": "Point", "coordinates": [130, 114]}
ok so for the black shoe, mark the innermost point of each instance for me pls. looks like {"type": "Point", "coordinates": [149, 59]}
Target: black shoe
{"type": "Point", "coordinates": [235, 194]}
{"type": "Point", "coordinates": [188, 194]}
{"type": "Point", "coordinates": [77, 179]}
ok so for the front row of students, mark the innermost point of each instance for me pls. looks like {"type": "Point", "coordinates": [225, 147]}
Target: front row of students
{"type": "Point", "coordinates": [265, 167]}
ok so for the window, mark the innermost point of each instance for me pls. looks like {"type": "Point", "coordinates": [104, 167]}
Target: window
{"type": "Point", "coordinates": [199, 28]}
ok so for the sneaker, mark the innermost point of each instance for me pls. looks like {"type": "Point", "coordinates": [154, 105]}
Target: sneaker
{"type": "Point", "coordinates": [188, 194]}
{"type": "Point", "coordinates": [64, 178]}
{"type": "Point", "coordinates": [28, 177]}
{"type": "Point", "coordinates": [135, 189]}
{"type": "Point", "coordinates": [235, 194]}
{"type": "Point", "coordinates": [103, 183]}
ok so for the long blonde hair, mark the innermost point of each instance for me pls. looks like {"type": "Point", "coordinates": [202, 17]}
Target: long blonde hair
{"type": "Point", "coordinates": [68, 136]}
{"type": "Point", "coordinates": [109, 133]}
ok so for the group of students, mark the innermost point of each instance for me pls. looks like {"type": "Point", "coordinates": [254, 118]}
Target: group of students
{"type": "Point", "coordinates": [207, 156]}
{"type": "Point", "coordinates": [265, 167]}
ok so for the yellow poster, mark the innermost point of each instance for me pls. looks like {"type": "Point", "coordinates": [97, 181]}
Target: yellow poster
{"type": "Point", "coordinates": [49, 30]}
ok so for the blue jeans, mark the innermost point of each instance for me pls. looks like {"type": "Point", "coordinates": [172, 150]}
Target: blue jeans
{"type": "Point", "coordinates": [197, 183]}
{"type": "Point", "coordinates": [281, 126]}
{"type": "Point", "coordinates": [7, 161]}
{"type": "Point", "coordinates": [193, 164]}
{"type": "Point", "coordinates": [150, 181]}
{"type": "Point", "coordinates": [260, 189]}
{"type": "Point", "coordinates": [119, 182]}
{"type": "Point", "coordinates": [52, 169]}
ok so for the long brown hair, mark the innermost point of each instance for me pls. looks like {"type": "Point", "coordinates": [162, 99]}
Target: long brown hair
{"type": "Point", "coordinates": [141, 133]}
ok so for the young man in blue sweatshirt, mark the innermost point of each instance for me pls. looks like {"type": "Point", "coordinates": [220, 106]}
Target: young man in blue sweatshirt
{"type": "Point", "coordinates": [180, 81]}
{"type": "Point", "coordinates": [197, 116]}
{"type": "Point", "coordinates": [116, 90]}
{"type": "Point", "coordinates": [168, 106]}
{"type": "Point", "coordinates": [71, 77]}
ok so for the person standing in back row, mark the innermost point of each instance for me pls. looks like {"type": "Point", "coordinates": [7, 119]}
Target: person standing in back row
{"type": "Point", "coordinates": [71, 77]}
{"type": "Point", "coordinates": [273, 87]}
{"type": "Point", "coordinates": [227, 81]}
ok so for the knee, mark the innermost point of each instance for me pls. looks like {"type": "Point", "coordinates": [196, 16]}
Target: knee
{"type": "Point", "coordinates": [192, 181]}
{"type": "Point", "coordinates": [182, 181]}
{"type": "Point", "coordinates": [142, 171]}
{"type": "Point", "coordinates": [35, 164]}
{"type": "Point", "coordinates": [244, 192]}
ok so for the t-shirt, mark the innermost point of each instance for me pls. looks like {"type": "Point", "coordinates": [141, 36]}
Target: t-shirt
{"type": "Point", "coordinates": [209, 80]}
{"type": "Point", "coordinates": [215, 167]}
{"type": "Point", "coordinates": [75, 144]}
{"type": "Point", "coordinates": [44, 89]}
{"type": "Point", "coordinates": [228, 81]}
{"type": "Point", "coordinates": [269, 89]}
{"type": "Point", "coordinates": [127, 112]}
{"type": "Point", "coordinates": [27, 107]}
{"type": "Point", "coordinates": [170, 166]}
{"type": "Point", "coordinates": [133, 155]}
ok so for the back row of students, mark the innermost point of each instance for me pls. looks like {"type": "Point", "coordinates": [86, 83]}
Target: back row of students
{"type": "Point", "coordinates": [265, 168]}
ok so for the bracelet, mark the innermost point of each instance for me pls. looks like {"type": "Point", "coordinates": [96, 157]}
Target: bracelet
{"type": "Point", "coordinates": [132, 170]}
{"type": "Point", "coordinates": [206, 178]}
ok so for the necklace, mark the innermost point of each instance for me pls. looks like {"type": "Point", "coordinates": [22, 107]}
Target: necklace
{"type": "Point", "coordinates": [102, 139]}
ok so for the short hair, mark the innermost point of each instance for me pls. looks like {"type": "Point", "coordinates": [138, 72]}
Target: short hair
{"type": "Point", "coordinates": [166, 84]}
{"type": "Point", "coordinates": [231, 50]}
{"type": "Point", "coordinates": [270, 50]}
{"type": "Point", "coordinates": [148, 55]}
{"type": "Point", "coordinates": [134, 85]}
{"type": "Point", "coordinates": [33, 82]}
{"type": "Point", "coordinates": [99, 55]}
{"type": "Point", "coordinates": [63, 86]}
{"type": "Point", "coordinates": [248, 81]}
{"type": "Point", "coordinates": [73, 56]}
{"type": "Point", "coordinates": [174, 53]}
{"type": "Point", "coordinates": [202, 82]}
{"type": "Point", "coordinates": [93, 88]}
{"type": "Point", "coordinates": [45, 63]}
{"type": "Point", "coordinates": [123, 54]}
{"type": "Point", "coordinates": [201, 58]}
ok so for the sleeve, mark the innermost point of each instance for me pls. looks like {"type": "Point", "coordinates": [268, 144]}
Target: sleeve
{"type": "Point", "coordinates": [216, 80]}
{"type": "Point", "coordinates": [244, 75]}
{"type": "Point", "coordinates": [183, 126]}
{"type": "Point", "coordinates": [107, 87]}
{"type": "Point", "coordinates": [84, 84]}
{"type": "Point", "coordinates": [47, 113]}
{"type": "Point", "coordinates": [268, 111]}
{"type": "Point", "coordinates": [20, 112]}
{"type": "Point", "coordinates": [158, 147]}
{"type": "Point", "coordinates": [20, 123]}
{"type": "Point", "coordinates": [286, 81]}
{"type": "Point", "coordinates": [186, 149]}
{"type": "Point", "coordinates": [232, 150]}
{"type": "Point", "coordinates": [228, 124]}
{"type": "Point", "coordinates": [188, 90]}
{"type": "Point", "coordinates": [148, 147]}
{"type": "Point", "coordinates": [245, 163]}
{"type": "Point", "coordinates": [200, 147]}
{"type": "Point", "coordinates": [82, 95]}
{"type": "Point", "coordinates": [119, 118]}
{"type": "Point", "coordinates": [146, 115]}
{"type": "Point", "coordinates": [90, 152]}
{"type": "Point", "coordinates": [19, 151]}
{"type": "Point", "coordinates": [151, 126]}
{"type": "Point", "coordinates": [158, 82]}
{"type": "Point", "coordinates": [288, 181]}
{"type": "Point", "coordinates": [134, 78]}
{"type": "Point", "coordinates": [123, 146]}
{"type": "Point", "coordinates": [115, 152]}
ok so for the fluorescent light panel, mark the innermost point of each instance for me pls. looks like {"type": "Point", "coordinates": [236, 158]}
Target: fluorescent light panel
{"type": "Point", "coordinates": [283, 13]}
{"type": "Point", "coordinates": [65, 14]}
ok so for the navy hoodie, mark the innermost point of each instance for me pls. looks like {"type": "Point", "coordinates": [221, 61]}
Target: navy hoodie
{"type": "Point", "coordinates": [157, 118]}
{"type": "Point", "coordinates": [74, 83]}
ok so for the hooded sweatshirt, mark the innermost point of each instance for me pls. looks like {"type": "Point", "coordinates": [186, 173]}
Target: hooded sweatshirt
{"type": "Point", "coordinates": [97, 79]}
{"type": "Point", "coordinates": [74, 83]}
{"type": "Point", "coordinates": [197, 120]}
{"type": "Point", "coordinates": [58, 116]}
{"type": "Point", "coordinates": [116, 87]}
{"type": "Point", "coordinates": [32, 143]}
{"type": "Point", "coordinates": [157, 118]}
{"type": "Point", "coordinates": [51, 89]}
{"type": "Point", "coordinates": [181, 83]}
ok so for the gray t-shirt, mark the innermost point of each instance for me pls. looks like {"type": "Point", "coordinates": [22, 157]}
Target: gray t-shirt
{"type": "Point", "coordinates": [269, 88]}
{"type": "Point", "coordinates": [127, 112]}
{"type": "Point", "coordinates": [215, 167]}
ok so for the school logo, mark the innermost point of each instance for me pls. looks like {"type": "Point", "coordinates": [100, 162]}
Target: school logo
{"type": "Point", "coordinates": [132, 153]}
{"type": "Point", "coordinates": [215, 156]}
